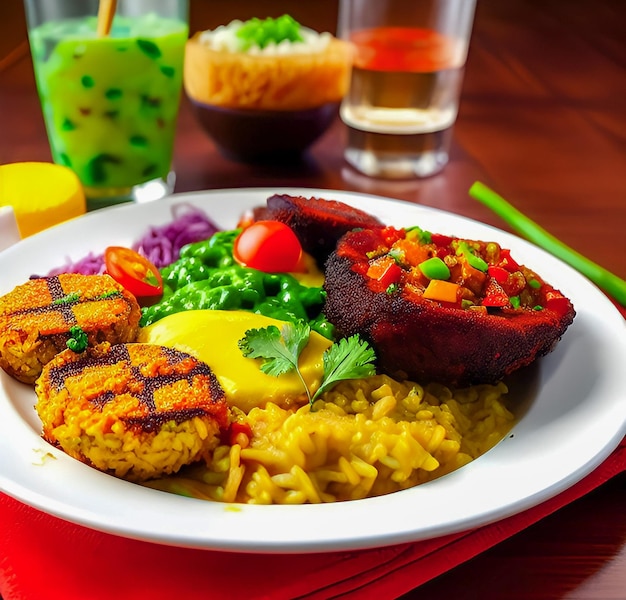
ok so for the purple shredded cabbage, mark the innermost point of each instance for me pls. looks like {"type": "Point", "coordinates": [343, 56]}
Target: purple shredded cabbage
{"type": "Point", "coordinates": [160, 245]}
{"type": "Point", "coordinates": [92, 264]}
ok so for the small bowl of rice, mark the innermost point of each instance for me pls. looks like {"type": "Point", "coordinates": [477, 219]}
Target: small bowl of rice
{"type": "Point", "coordinates": [264, 89]}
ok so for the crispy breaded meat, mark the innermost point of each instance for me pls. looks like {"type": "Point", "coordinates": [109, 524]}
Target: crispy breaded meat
{"type": "Point", "coordinates": [136, 411]}
{"type": "Point", "coordinates": [36, 319]}
{"type": "Point", "coordinates": [318, 223]}
{"type": "Point", "coordinates": [478, 333]}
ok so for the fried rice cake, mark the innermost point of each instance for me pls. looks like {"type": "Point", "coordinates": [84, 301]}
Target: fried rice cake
{"type": "Point", "coordinates": [135, 411]}
{"type": "Point", "coordinates": [36, 319]}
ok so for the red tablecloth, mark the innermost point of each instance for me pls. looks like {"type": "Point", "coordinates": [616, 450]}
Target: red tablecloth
{"type": "Point", "coordinates": [46, 558]}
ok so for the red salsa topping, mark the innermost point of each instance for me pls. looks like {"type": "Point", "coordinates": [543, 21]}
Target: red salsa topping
{"type": "Point", "coordinates": [455, 272]}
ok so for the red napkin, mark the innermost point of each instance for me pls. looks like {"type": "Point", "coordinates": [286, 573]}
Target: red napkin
{"type": "Point", "coordinates": [46, 557]}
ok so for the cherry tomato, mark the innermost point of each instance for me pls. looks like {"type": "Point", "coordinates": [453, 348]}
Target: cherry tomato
{"type": "Point", "coordinates": [133, 271]}
{"type": "Point", "coordinates": [269, 246]}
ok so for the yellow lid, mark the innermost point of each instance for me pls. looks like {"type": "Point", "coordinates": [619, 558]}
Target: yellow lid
{"type": "Point", "coordinates": [41, 194]}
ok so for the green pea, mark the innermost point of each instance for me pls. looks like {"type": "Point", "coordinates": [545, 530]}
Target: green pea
{"type": "Point", "coordinates": [312, 296]}
{"type": "Point", "coordinates": [225, 261]}
{"type": "Point", "coordinates": [250, 298]}
{"type": "Point", "coordinates": [228, 298]}
{"type": "Point", "coordinates": [206, 276]}
{"type": "Point", "coordinates": [323, 327]}
{"type": "Point", "coordinates": [219, 278]}
{"type": "Point", "coordinates": [210, 256]}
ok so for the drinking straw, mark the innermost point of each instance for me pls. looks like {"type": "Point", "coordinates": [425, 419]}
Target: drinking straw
{"type": "Point", "coordinates": [519, 222]}
{"type": "Point", "coordinates": [106, 12]}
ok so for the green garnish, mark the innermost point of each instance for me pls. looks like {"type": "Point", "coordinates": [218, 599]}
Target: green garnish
{"type": "Point", "coordinates": [262, 32]}
{"type": "Point", "coordinates": [78, 339]}
{"type": "Point", "coordinates": [397, 255]}
{"type": "Point", "coordinates": [279, 349]}
{"type": "Point", "coordinates": [417, 233]}
{"type": "Point", "coordinates": [67, 299]}
{"type": "Point", "coordinates": [350, 358]}
{"type": "Point", "coordinates": [110, 294]}
{"type": "Point", "coordinates": [465, 250]}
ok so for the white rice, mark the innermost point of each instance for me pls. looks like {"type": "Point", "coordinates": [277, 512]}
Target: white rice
{"type": "Point", "coordinates": [224, 39]}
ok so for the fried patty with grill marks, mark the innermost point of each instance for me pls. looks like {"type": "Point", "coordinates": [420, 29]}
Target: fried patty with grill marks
{"type": "Point", "coordinates": [136, 411]}
{"type": "Point", "coordinates": [36, 319]}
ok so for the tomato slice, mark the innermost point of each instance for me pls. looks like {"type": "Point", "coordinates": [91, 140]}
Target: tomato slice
{"type": "Point", "coordinates": [269, 246]}
{"type": "Point", "coordinates": [133, 271]}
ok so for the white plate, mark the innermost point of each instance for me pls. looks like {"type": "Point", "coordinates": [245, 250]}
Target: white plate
{"type": "Point", "coordinates": [576, 417]}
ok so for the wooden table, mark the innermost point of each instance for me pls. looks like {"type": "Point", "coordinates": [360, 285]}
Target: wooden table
{"type": "Point", "coordinates": [543, 122]}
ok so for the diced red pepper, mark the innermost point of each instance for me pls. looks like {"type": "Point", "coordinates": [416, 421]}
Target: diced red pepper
{"type": "Point", "coordinates": [495, 295]}
{"type": "Point", "coordinates": [498, 273]}
{"type": "Point", "coordinates": [507, 262]}
{"type": "Point", "coordinates": [392, 235]}
{"type": "Point", "coordinates": [557, 302]}
{"type": "Point", "coordinates": [387, 274]}
{"type": "Point", "coordinates": [440, 240]}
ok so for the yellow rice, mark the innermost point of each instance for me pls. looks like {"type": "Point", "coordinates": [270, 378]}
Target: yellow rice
{"type": "Point", "coordinates": [364, 438]}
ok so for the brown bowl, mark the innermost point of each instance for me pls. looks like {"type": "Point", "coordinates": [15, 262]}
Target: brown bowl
{"type": "Point", "coordinates": [264, 135]}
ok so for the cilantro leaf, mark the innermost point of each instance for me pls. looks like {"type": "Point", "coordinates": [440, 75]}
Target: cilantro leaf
{"type": "Point", "coordinates": [279, 349]}
{"type": "Point", "coordinates": [350, 358]}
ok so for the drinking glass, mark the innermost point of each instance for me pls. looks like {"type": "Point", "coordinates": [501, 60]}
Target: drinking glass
{"type": "Point", "coordinates": [406, 81]}
{"type": "Point", "coordinates": [110, 99]}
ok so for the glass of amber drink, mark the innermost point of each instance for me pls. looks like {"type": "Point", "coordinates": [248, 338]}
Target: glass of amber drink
{"type": "Point", "coordinates": [406, 82]}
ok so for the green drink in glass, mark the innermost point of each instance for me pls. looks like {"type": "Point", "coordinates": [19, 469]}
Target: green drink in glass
{"type": "Point", "coordinates": [110, 103]}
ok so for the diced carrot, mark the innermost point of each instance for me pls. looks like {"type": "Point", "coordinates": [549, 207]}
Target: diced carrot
{"type": "Point", "coordinates": [442, 291]}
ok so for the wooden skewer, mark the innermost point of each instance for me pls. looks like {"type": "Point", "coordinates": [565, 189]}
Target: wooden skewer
{"type": "Point", "coordinates": [106, 12]}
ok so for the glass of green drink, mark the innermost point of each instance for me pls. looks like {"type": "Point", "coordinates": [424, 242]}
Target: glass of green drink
{"type": "Point", "coordinates": [110, 98]}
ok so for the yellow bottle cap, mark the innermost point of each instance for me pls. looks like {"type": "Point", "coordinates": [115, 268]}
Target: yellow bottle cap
{"type": "Point", "coordinates": [41, 194]}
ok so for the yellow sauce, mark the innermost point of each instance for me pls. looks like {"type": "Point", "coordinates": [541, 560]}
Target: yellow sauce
{"type": "Point", "coordinates": [213, 335]}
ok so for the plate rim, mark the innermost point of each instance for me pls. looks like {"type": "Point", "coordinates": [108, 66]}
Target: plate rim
{"type": "Point", "coordinates": [315, 541]}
